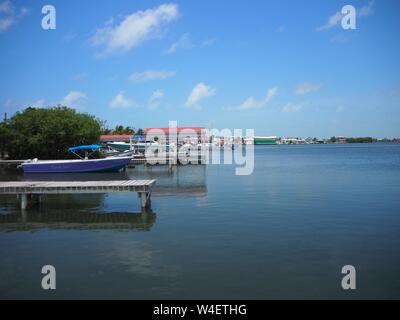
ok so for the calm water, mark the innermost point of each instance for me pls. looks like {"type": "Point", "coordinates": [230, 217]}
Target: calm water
{"type": "Point", "coordinates": [283, 232]}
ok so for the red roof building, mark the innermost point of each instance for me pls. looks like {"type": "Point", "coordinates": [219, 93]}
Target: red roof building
{"type": "Point", "coordinates": [116, 138]}
{"type": "Point", "coordinates": [198, 130]}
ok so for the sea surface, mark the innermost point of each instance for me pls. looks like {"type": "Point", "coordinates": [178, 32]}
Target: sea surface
{"type": "Point", "coordinates": [284, 232]}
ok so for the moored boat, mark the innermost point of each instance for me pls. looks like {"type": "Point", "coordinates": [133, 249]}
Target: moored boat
{"type": "Point", "coordinates": [83, 165]}
{"type": "Point", "coordinates": [265, 140]}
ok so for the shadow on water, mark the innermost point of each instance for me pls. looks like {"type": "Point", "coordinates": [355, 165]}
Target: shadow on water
{"type": "Point", "coordinates": [187, 181]}
{"type": "Point", "coordinates": [70, 211]}
{"type": "Point", "coordinates": [27, 220]}
{"type": "Point", "coordinates": [98, 211]}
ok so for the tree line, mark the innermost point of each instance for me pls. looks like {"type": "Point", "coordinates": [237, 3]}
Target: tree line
{"type": "Point", "coordinates": [119, 129]}
{"type": "Point", "coordinates": [354, 140]}
{"type": "Point", "coordinates": [47, 133]}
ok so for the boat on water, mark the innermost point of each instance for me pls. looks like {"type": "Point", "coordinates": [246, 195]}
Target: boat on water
{"type": "Point", "coordinates": [120, 146]}
{"type": "Point", "coordinates": [139, 147]}
{"type": "Point", "coordinates": [266, 140]}
{"type": "Point", "coordinates": [82, 165]}
{"type": "Point", "coordinates": [114, 153]}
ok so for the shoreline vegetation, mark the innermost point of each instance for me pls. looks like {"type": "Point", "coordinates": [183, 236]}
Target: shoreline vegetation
{"type": "Point", "coordinates": [49, 132]}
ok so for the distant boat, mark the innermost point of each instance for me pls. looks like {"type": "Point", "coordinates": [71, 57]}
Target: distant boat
{"type": "Point", "coordinates": [114, 153]}
{"type": "Point", "coordinates": [83, 165]}
{"type": "Point", "coordinates": [265, 140]}
{"type": "Point", "coordinates": [120, 146]}
{"type": "Point", "coordinates": [123, 146]}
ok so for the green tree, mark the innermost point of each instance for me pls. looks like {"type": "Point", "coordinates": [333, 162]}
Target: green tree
{"type": "Point", "coordinates": [361, 140]}
{"type": "Point", "coordinates": [118, 130]}
{"type": "Point", "coordinates": [140, 132]}
{"type": "Point", "coordinates": [3, 139]}
{"type": "Point", "coordinates": [47, 133]}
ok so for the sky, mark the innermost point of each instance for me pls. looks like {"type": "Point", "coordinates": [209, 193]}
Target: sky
{"type": "Point", "coordinates": [285, 68]}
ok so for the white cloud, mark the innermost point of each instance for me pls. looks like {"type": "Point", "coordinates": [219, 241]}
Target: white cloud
{"type": "Point", "coordinates": [200, 91]}
{"type": "Point", "coordinates": [208, 42]}
{"type": "Point", "coordinates": [186, 42]}
{"type": "Point", "coordinates": [134, 29]}
{"type": "Point", "coordinates": [23, 12]}
{"type": "Point", "coordinates": [336, 18]}
{"type": "Point", "coordinates": [9, 15]}
{"type": "Point", "coordinates": [151, 75]}
{"type": "Point", "coordinates": [333, 21]}
{"type": "Point", "coordinates": [6, 7]}
{"type": "Point", "coordinates": [305, 88]}
{"type": "Point", "coordinates": [70, 36]}
{"type": "Point", "coordinates": [41, 103]}
{"type": "Point", "coordinates": [121, 102]}
{"type": "Point", "coordinates": [6, 23]}
{"type": "Point", "coordinates": [290, 107]}
{"type": "Point", "coordinates": [74, 99]}
{"type": "Point", "coordinates": [13, 105]}
{"type": "Point", "coordinates": [79, 76]}
{"type": "Point", "coordinates": [10, 104]}
{"type": "Point", "coordinates": [155, 99]}
{"type": "Point", "coordinates": [366, 10]}
{"type": "Point", "coordinates": [253, 103]}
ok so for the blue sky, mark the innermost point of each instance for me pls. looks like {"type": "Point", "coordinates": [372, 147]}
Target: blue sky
{"type": "Point", "coordinates": [284, 68]}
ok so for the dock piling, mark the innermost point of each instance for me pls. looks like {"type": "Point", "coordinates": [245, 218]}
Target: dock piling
{"type": "Point", "coordinates": [24, 201]}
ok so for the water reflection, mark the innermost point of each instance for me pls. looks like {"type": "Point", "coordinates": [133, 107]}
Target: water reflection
{"type": "Point", "coordinates": [98, 211]}
{"type": "Point", "coordinates": [75, 220]}
{"type": "Point", "coordinates": [188, 181]}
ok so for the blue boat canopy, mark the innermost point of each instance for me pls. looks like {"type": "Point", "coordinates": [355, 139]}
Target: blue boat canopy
{"type": "Point", "coordinates": [138, 137]}
{"type": "Point", "coordinates": [88, 147]}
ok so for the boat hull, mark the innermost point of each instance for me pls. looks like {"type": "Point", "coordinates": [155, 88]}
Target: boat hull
{"type": "Point", "coordinates": [265, 140]}
{"type": "Point", "coordinates": [77, 166]}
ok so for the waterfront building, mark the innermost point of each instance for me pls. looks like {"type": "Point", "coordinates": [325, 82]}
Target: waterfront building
{"type": "Point", "coordinates": [115, 138]}
{"type": "Point", "coordinates": [180, 136]}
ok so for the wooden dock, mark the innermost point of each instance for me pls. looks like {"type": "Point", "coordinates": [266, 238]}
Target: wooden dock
{"type": "Point", "coordinates": [10, 163]}
{"type": "Point", "coordinates": [7, 162]}
{"type": "Point", "coordinates": [35, 189]}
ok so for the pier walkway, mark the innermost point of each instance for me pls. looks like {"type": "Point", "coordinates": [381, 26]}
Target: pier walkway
{"type": "Point", "coordinates": [32, 189]}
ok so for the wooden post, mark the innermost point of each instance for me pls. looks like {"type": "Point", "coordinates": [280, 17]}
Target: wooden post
{"type": "Point", "coordinates": [144, 199]}
{"type": "Point", "coordinates": [24, 201]}
{"type": "Point", "coordinates": [24, 216]}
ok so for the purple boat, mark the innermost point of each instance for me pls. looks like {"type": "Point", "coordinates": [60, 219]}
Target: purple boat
{"type": "Point", "coordinates": [83, 165]}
